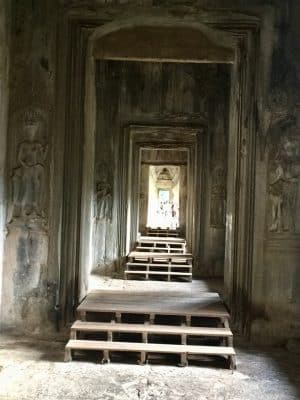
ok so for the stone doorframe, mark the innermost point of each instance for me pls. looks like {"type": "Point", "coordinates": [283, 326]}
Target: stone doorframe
{"type": "Point", "coordinates": [194, 141]}
{"type": "Point", "coordinates": [246, 145]}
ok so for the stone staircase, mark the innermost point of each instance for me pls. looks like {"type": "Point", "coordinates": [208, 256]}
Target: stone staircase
{"type": "Point", "coordinates": [162, 232]}
{"type": "Point", "coordinates": [160, 257]}
{"type": "Point", "coordinates": [158, 324]}
{"type": "Point", "coordinates": [151, 325]}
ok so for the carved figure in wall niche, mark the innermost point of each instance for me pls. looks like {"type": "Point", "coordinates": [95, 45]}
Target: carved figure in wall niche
{"type": "Point", "coordinates": [283, 186]}
{"type": "Point", "coordinates": [218, 198]}
{"type": "Point", "coordinates": [104, 201]}
{"type": "Point", "coordinates": [276, 197]}
{"type": "Point", "coordinates": [28, 178]}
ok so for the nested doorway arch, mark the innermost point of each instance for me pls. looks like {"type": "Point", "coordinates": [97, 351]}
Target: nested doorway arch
{"type": "Point", "coordinates": [191, 139]}
{"type": "Point", "coordinates": [236, 44]}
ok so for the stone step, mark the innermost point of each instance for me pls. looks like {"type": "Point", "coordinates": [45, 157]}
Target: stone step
{"type": "Point", "coordinates": [152, 256]}
{"type": "Point", "coordinates": [160, 273]}
{"type": "Point", "coordinates": [200, 326]}
{"type": "Point", "coordinates": [161, 234]}
{"type": "Point", "coordinates": [160, 249]}
{"type": "Point", "coordinates": [84, 326]}
{"type": "Point", "coordinates": [161, 239]}
{"type": "Point", "coordinates": [144, 348]}
{"type": "Point", "coordinates": [168, 274]}
{"type": "Point", "coordinates": [166, 266]}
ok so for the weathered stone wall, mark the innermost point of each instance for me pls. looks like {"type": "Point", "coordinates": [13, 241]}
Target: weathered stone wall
{"type": "Point", "coordinates": [276, 281]}
{"type": "Point", "coordinates": [29, 284]}
{"type": "Point", "coordinates": [4, 96]}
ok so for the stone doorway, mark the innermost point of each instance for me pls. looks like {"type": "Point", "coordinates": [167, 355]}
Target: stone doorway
{"type": "Point", "coordinates": [232, 48]}
{"type": "Point", "coordinates": [161, 187]}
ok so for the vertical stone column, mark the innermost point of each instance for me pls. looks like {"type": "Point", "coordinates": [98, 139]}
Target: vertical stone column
{"type": "Point", "coordinates": [4, 96]}
{"type": "Point", "coordinates": [182, 197]}
{"type": "Point", "coordinates": [143, 199]}
{"type": "Point", "coordinates": [29, 283]}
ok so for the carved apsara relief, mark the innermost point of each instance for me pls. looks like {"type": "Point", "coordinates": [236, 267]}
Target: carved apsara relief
{"type": "Point", "coordinates": [218, 197]}
{"type": "Point", "coordinates": [104, 199]}
{"type": "Point", "coordinates": [284, 178]}
{"type": "Point", "coordinates": [103, 207]}
{"type": "Point", "coordinates": [282, 127]}
{"type": "Point", "coordinates": [29, 174]}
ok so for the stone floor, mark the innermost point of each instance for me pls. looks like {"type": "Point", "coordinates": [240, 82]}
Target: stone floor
{"type": "Point", "coordinates": [34, 370]}
{"type": "Point", "coordinates": [184, 288]}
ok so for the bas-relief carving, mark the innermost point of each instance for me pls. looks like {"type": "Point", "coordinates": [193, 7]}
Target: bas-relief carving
{"type": "Point", "coordinates": [282, 124]}
{"type": "Point", "coordinates": [31, 260]}
{"type": "Point", "coordinates": [27, 240]}
{"type": "Point", "coordinates": [104, 201]}
{"type": "Point", "coordinates": [29, 288]}
{"type": "Point", "coordinates": [103, 217]}
{"type": "Point", "coordinates": [30, 280]}
{"type": "Point", "coordinates": [284, 176]}
{"type": "Point", "coordinates": [28, 177]}
{"type": "Point", "coordinates": [103, 209]}
{"type": "Point", "coordinates": [218, 198]}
